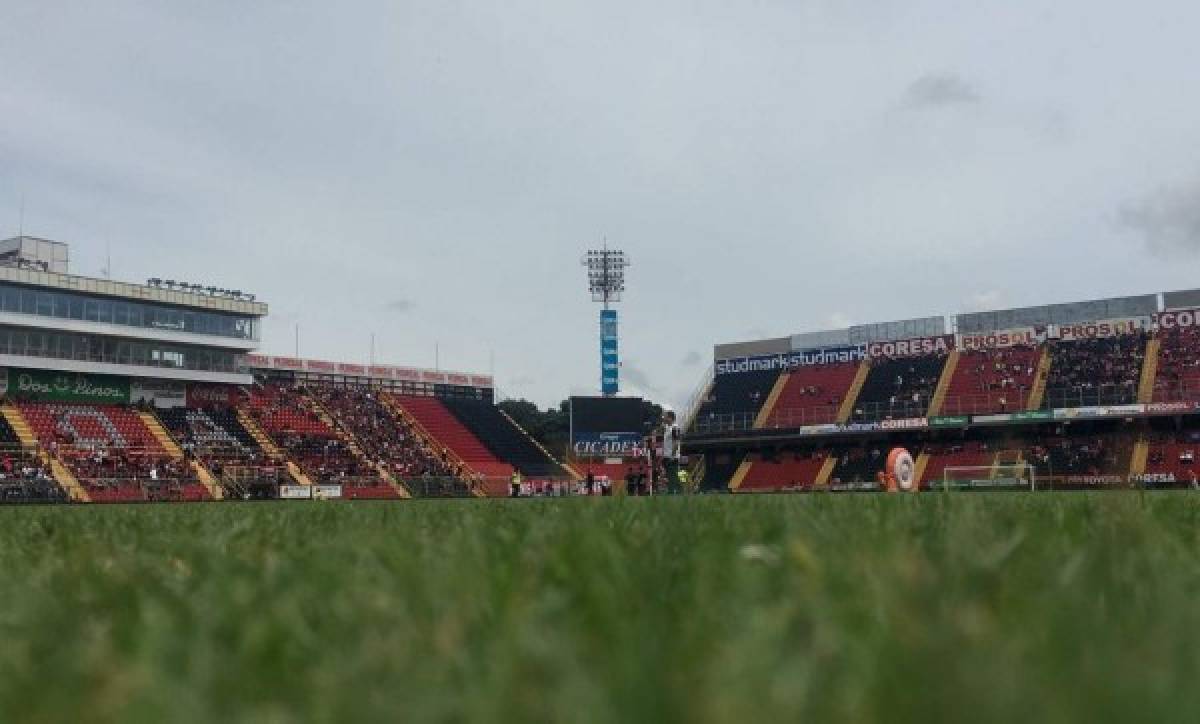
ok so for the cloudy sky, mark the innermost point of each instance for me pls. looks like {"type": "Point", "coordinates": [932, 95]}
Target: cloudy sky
{"type": "Point", "coordinates": [431, 172]}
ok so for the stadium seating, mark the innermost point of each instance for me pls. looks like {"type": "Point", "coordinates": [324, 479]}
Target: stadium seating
{"type": "Point", "coordinates": [813, 394]}
{"type": "Point", "coordinates": [1091, 372]}
{"type": "Point", "coordinates": [321, 453]}
{"type": "Point", "coordinates": [217, 438]}
{"type": "Point", "coordinates": [1178, 376]}
{"type": "Point", "coordinates": [734, 400]}
{"type": "Point", "coordinates": [783, 471]}
{"type": "Point", "coordinates": [1175, 454]}
{"type": "Point", "coordinates": [953, 455]}
{"type": "Point", "coordinates": [112, 453]}
{"type": "Point", "coordinates": [447, 429]}
{"type": "Point", "coordinates": [503, 438]}
{"type": "Point", "coordinates": [8, 436]}
{"type": "Point", "coordinates": [859, 464]}
{"type": "Point", "coordinates": [384, 436]}
{"type": "Point", "coordinates": [26, 478]}
{"type": "Point", "coordinates": [1061, 455]}
{"type": "Point", "coordinates": [898, 388]}
{"type": "Point", "coordinates": [993, 380]}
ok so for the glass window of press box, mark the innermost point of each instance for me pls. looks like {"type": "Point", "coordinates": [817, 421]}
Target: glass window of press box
{"type": "Point", "coordinates": [108, 350]}
{"type": "Point", "coordinates": [64, 305]}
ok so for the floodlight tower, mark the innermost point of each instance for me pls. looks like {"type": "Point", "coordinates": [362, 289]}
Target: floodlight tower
{"type": "Point", "coordinates": [606, 281]}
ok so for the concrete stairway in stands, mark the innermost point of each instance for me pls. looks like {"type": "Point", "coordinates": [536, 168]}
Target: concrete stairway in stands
{"type": "Point", "coordinates": [572, 472]}
{"type": "Point", "coordinates": [1038, 393]}
{"type": "Point", "coordinates": [298, 474]}
{"type": "Point", "coordinates": [347, 437]}
{"type": "Point", "coordinates": [168, 443]}
{"type": "Point", "coordinates": [1149, 371]}
{"type": "Point", "coordinates": [768, 407]}
{"type": "Point", "coordinates": [825, 472]}
{"type": "Point", "coordinates": [19, 424]}
{"type": "Point", "coordinates": [264, 441]}
{"type": "Point", "coordinates": [160, 434]}
{"type": "Point", "coordinates": [919, 467]}
{"type": "Point", "coordinates": [943, 386]}
{"type": "Point", "coordinates": [1141, 453]}
{"type": "Point", "coordinates": [860, 378]}
{"type": "Point", "coordinates": [67, 480]}
{"type": "Point", "coordinates": [739, 475]}
{"type": "Point", "coordinates": [426, 437]}
{"type": "Point", "coordinates": [208, 481]}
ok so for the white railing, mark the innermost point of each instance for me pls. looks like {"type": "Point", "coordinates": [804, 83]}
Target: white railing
{"type": "Point", "coordinates": [699, 394]}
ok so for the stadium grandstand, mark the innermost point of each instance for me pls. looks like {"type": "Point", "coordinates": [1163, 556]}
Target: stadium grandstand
{"type": "Point", "coordinates": [1094, 394]}
{"type": "Point", "coordinates": [120, 392]}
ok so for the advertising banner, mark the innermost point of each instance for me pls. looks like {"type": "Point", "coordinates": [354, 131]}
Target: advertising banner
{"type": "Point", "coordinates": [204, 395]}
{"type": "Point", "coordinates": [949, 421]}
{"type": "Point", "coordinates": [908, 423]}
{"type": "Point", "coordinates": [617, 445]}
{"type": "Point", "coordinates": [1076, 413]}
{"type": "Point", "coordinates": [295, 492]}
{"type": "Point", "coordinates": [53, 386]}
{"type": "Point", "coordinates": [1093, 481]}
{"type": "Point", "coordinates": [159, 393]}
{"type": "Point", "coordinates": [1104, 328]}
{"type": "Point", "coordinates": [610, 366]}
{"type": "Point", "coordinates": [326, 492]}
{"type": "Point", "coordinates": [791, 360]}
{"type": "Point", "coordinates": [1179, 319]}
{"type": "Point", "coordinates": [1001, 339]}
{"type": "Point", "coordinates": [912, 347]}
{"type": "Point", "coordinates": [1170, 408]}
{"type": "Point", "coordinates": [383, 372]}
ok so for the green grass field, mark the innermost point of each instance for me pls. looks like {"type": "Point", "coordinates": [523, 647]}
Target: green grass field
{"type": "Point", "coordinates": [1046, 607]}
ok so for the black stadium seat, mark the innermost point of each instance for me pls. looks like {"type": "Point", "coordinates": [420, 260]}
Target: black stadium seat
{"type": "Point", "coordinates": [503, 438]}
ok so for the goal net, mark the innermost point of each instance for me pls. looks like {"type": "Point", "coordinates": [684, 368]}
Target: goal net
{"type": "Point", "coordinates": [1005, 476]}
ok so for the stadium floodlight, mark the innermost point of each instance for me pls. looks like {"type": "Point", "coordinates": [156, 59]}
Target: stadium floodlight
{"type": "Point", "coordinates": [606, 273]}
{"type": "Point", "coordinates": [606, 283]}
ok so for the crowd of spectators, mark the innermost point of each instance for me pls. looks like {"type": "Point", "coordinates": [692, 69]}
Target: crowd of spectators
{"type": "Point", "coordinates": [1178, 375]}
{"type": "Point", "coordinates": [994, 379]}
{"type": "Point", "coordinates": [1085, 455]}
{"type": "Point", "coordinates": [1090, 372]}
{"type": "Point", "coordinates": [385, 437]}
{"type": "Point", "coordinates": [899, 387]}
{"type": "Point", "coordinates": [24, 477]}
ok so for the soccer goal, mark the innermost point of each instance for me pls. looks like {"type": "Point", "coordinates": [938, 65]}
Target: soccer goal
{"type": "Point", "coordinates": [1006, 476]}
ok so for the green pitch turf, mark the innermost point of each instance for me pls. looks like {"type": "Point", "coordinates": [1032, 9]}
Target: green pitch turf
{"type": "Point", "coordinates": [960, 607]}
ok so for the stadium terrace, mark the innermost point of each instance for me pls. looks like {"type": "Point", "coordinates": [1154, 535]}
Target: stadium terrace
{"type": "Point", "coordinates": [1084, 395]}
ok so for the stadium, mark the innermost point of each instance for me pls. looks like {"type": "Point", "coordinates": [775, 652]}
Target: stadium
{"type": "Point", "coordinates": [119, 392]}
{"type": "Point", "coordinates": [1084, 395]}
{"type": "Point", "coordinates": [599, 362]}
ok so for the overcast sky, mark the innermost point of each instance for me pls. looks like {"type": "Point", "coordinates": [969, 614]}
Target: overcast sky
{"type": "Point", "coordinates": [432, 171]}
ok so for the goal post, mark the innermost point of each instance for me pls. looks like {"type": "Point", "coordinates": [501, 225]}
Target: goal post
{"type": "Point", "coordinates": [1006, 476]}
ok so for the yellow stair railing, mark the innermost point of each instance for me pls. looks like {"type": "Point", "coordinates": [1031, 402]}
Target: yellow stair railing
{"type": "Point", "coordinates": [67, 480]}
{"type": "Point", "coordinates": [208, 481]}
{"type": "Point", "coordinates": [160, 433]}
{"type": "Point", "coordinates": [860, 377]}
{"type": "Point", "coordinates": [943, 385]}
{"type": "Point", "coordinates": [764, 412]}
{"type": "Point", "coordinates": [1038, 393]}
{"type": "Point", "coordinates": [739, 475]}
{"type": "Point", "coordinates": [1149, 371]}
{"type": "Point", "coordinates": [826, 472]}
{"type": "Point", "coordinates": [16, 420]}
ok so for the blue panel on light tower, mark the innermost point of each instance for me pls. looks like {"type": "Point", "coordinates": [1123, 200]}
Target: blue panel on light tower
{"type": "Point", "coordinates": [609, 362]}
